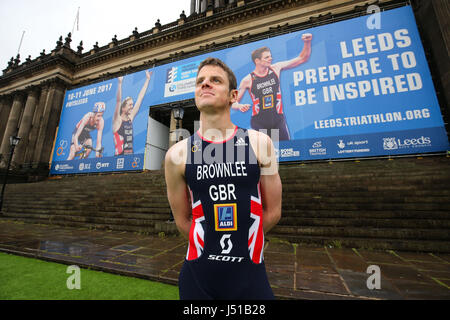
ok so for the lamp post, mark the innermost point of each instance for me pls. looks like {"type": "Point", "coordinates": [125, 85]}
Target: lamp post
{"type": "Point", "coordinates": [13, 140]}
{"type": "Point", "coordinates": [178, 114]}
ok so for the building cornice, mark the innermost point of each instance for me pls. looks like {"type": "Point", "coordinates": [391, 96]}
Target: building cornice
{"type": "Point", "coordinates": [208, 31]}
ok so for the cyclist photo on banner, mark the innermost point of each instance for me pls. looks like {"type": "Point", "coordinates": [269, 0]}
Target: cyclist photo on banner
{"type": "Point", "coordinates": [82, 143]}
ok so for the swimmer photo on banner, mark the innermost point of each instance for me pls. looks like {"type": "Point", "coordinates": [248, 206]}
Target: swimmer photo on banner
{"type": "Point", "coordinates": [103, 126]}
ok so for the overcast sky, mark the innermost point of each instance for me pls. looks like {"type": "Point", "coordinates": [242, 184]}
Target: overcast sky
{"type": "Point", "coordinates": [44, 21]}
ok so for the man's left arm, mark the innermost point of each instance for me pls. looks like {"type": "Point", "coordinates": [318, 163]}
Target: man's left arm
{"type": "Point", "coordinates": [271, 200]}
{"type": "Point", "coordinates": [270, 182]}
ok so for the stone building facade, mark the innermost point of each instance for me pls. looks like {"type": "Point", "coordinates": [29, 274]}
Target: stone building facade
{"type": "Point", "coordinates": [32, 91]}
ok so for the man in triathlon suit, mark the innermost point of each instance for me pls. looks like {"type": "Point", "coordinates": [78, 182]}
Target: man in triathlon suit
{"type": "Point", "coordinates": [124, 116]}
{"type": "Point", "coordinates": [81, 134]}
{"type": "Point", "coordinates": [263, 84]}
{"type": "Point", "coordinates": [224, 190]}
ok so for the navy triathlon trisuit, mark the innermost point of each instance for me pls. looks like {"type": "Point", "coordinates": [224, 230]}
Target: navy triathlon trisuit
{"type": "Point", "coordinates": [226, 240]}
{"type": "Point", "coordinates": [267, 110]}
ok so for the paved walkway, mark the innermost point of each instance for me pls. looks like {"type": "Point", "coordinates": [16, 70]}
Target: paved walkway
{"type": "Point", "coordinates": [295, 271]}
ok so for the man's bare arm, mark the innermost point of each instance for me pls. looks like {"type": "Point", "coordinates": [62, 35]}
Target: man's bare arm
{"type": "Point", "coordinates": [177, 190]}
{"type": "Point", "coordinates": [301, 58]}
{"type": "Point", "coordinates": [270, 182]}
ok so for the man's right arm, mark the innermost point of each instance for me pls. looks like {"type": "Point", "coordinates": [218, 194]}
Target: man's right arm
{"type": "Point", "coordinates": [177, 190]}
{"type": "Point", "coordinates": [116, 116]}
{"type": "Point", "coordinates": [244, 85]}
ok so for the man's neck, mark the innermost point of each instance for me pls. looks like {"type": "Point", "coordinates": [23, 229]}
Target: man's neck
{"type": "Point", "coordinates": [261, 71]}
{"type": "Point", "coordinates": [216, 127]}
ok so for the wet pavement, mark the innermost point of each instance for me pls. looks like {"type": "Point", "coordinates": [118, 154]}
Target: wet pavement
{"type": "Point", "coordinates": [295, 271]}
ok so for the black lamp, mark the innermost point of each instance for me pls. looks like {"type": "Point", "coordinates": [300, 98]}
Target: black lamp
{"type": "Point", "coordinates": [178, 113]}
{"type": "Point", "coordinates": [13, 140]}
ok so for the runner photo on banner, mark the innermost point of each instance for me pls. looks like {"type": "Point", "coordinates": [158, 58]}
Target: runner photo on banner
{"type": "Point", "coordinates": [103, 126]}
{"type": "Point", "coordinates": [346, 89]}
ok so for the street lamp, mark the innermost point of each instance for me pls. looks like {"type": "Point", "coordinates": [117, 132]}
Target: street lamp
{"type": "Point", "coordinates": [178, 114]}
{"type": "Point", "coordinates": [13, 140]}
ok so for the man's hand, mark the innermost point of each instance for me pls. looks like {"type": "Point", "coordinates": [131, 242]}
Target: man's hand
{"type": "Point", "coordinates": [241, 107]}
{"type": "Point", "coordinates": [307, 37]}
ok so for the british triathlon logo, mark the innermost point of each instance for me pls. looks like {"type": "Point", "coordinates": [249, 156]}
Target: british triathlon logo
{"type": "Point", "coordinates": [225, 217]}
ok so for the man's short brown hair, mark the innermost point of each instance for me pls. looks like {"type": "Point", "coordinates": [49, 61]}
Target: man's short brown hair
{"type": "Point", "coordinates": [257, 54]}
{"type": "Point", "coordinates": [219, 63]}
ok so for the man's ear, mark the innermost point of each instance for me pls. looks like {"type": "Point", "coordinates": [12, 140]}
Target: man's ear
{"type": "Point", "coordinates": [233, 96]}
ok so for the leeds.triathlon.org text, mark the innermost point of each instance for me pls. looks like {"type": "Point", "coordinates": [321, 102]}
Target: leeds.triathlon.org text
{"type": "Point", "coordinates": [370, 119]}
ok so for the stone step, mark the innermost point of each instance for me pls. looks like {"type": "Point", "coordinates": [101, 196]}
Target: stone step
{"type": "Point", "coordinates": [146, 214]}
{"type": "Point", "coordinates": [348, 198]}
{"type": "Point", "coordinates": [367, 243]}
{"type": "Point", "coordinates": [375, 233]}
{"type": "Point", "coordinates": [291, 211]}
{"type": "Point", "coordinates": [157, 227]}
{"type": "Point", "coordinates": [430, 206]}
{"type": "Point", "coordinates": [97, 222]}
{"type": "Point", "coordinates": [58, 207]}
{"type": "Point", "coordinates": [367, 222]}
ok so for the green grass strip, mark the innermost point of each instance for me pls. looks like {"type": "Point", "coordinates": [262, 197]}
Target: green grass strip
{"type": "Point", "coordinates": [33, 279]}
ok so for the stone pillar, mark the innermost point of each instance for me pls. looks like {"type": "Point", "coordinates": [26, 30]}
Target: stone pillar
{"type": "Point", "coordinates": [45, 137]}
{"type": "Point", "coordinates": [11, 127]}
{"type": "Point", "coordinates": [36, 124]}
{"type": "Point", "coordinates": [25, 125]}
{"type": "Point", "coordinates": [434, 28]}
{"type": "Point", "coordinates": [5, 109]}
{"type": "Point", "coordinates": [193, 6]}
{"type": "Point", "coordinates": [172, 128]}
{"type": "Point", "coordinates": [52, 112]}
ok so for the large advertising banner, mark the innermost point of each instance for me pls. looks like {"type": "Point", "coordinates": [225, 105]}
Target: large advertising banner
{"type": "Point", "coordinates": [103, 127]}
{"type": "Point", "coordinates": [361, 92]}
{"type": "Point", "coordinates": [355, 88]}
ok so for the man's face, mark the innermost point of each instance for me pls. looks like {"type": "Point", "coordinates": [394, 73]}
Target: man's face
{"type": "Point", "coordinates": [265, 60]}
{"type": "Point", "coordinates": [212, 89]}
{"type": "Point", "coordinates": [97, 117]}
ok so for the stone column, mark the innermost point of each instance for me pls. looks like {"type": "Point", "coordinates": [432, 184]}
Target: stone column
{"type": "Point", "coordinates": [172, 128]}
{"type": "Point", "coordinates": [52, 113]}
{"type": "Point", "coordinates": [25, 125]}
{"type": "Point", "coordinates": [193, 2]}
{"type": "Point", "coordinates": [5, 109]}
{"type": "Point", "coordinates": [41, 136]}
{"type": "Point", "coordinates": [11, 127]}
{"type": "Point", "coordinates": [36, 124]}
{"type": "Point", "coordinates": [434, 28]}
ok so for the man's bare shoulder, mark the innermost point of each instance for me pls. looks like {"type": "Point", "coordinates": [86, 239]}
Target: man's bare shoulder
{"type": "Point", "coordinates": [246, 82]}
{"type": "Point", "coordinates": [176, 155]}
{"type": "Point", "coordinates": [258, 137]}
